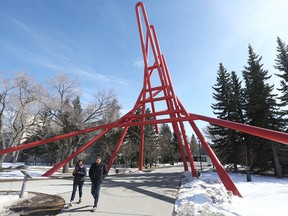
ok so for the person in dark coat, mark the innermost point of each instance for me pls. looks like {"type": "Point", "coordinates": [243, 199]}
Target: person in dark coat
{"type": "Point", "coordinates": [97, 172]}
{"type": "Point", "coordinates": [79, 174]}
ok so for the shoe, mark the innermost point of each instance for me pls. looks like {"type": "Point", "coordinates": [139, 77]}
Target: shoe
{"type": "Point", "coordinates": [69, 205]}
{"type": "Point", "coordinates": [80, 200]}
{"type": "Point", "coordinates": [93, 209]}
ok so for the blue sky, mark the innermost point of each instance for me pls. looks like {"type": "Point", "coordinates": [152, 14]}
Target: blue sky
{"type": "Point", "coordinates": [97, 42]}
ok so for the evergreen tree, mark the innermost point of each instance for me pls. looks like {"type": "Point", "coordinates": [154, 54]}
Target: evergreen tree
{"type": "Point", "coordinates": [165, 137]}
{"type": "Point", "coordinates": [229, 106]}
{"type": "Point", "coordinates": [282, 65]}
{"type": "Point", "coordinates": [236, 103]}
{"type": "Point", "coordinates": [236, 100]}
{"type": "Point", "coordinates": [194, 146]}
{"type": "Point", "coordinates": [222, 95]}
{"type": "Point", "coordinates": [106, 145]}
{"type": "Point", "coordinates": [132, 142]}
{"type": "Point", "coordinates": [174, 149]}
{"type": "Point", "coordinates": [260, 110]}
{"type": "Point", "coordinates": [69, 120]}
{"type": "Point", "coordinates": [151, 147]}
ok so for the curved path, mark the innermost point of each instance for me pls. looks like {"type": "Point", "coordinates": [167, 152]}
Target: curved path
{"type": "Point", "coordinates": [130, 194]}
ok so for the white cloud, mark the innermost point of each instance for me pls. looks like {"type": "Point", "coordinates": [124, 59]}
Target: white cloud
{"type": "Point", "coordinates": [37, 37]}
{"type": "Point", "coordinates": [96, 76]}
{"type": "Point", "coordinates": [139, 64]}
{"type": "Point", "coordinates": [65, 66]}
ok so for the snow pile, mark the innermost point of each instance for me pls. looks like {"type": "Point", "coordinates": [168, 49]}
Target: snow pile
{"type": "Point", "coordinates": [204, 196]}
{"type": "Point", "coordinates": [17, 174]}
{"type": "Point", "coordinates": [13, 171]}
{"type": "Point", "coordinates": [8, 199]}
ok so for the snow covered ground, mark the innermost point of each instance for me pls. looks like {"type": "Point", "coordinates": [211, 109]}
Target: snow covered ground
{"type": "Point", "coordinates": [264, 196]}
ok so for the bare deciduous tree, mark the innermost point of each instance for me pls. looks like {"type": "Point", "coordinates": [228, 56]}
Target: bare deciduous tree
{"type": "Point", "coordinates": [69, 115]}
{"type": "Point", "coordinates": [20, 109]}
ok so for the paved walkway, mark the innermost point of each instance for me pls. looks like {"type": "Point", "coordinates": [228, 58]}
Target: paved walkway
{"type": "Point", "coordinates": [132, 194]}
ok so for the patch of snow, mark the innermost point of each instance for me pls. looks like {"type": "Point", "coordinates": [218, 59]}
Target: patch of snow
{"type": "Point", "coordinates": [7, 200]}
{"type": "Point", "coordinates": [264, 196]}
{"type": "Point", "coordinates": [204, 196]}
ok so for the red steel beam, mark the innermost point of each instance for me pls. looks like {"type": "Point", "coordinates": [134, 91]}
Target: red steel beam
{"type": "Point", "coordinates": [117, 148]}
{"type": "Point", "coordinates": [189, 151]}
{"type": "Point", "coordinates": [273, 135]}
{"type": "Point", "coordinates": [223, 175]}
{"type": "Point", "coordinates": [74, 133]}
{"type": "Point", "coordinates": [62, 163]}
{"type": "Point", "coordinates": [253, 130]}
{"type": "Point", "coordinates": [175, 110]}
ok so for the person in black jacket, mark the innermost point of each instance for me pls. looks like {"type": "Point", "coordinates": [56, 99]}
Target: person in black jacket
{"type": "Point", "coordinates": [79, 174]}
{"type": "Point", "coordinates": [97, 172]}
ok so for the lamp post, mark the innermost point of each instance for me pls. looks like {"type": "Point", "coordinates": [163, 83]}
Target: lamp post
{"type": "Point", "coordinates": [26, 176]}
{"type": "Point", "coordinates": [200, 156]}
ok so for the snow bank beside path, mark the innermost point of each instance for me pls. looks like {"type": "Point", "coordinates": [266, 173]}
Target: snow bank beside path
{"type": "Point", "coordinates": [8, 199]}
{"type": "Point", "coordinates": [204, 196]}
{"type": "Point", "coordinates": [264, 196]}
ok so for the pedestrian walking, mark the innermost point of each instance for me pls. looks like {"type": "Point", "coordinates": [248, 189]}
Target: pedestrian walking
{"type": "Point", "coordinates": [97, 172]}
{"type": "Point", "coordinates": [79, 174]}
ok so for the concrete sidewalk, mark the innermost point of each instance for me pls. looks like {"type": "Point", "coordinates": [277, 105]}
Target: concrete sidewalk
{"type": "Point", "coordinates": [136, 194]}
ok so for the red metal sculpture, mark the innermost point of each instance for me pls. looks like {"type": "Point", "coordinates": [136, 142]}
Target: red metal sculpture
{"type": "Point", "coordinates": [171, 111]}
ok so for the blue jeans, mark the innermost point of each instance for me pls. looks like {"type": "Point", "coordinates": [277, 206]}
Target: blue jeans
{"type": "Point", "coordinates": [75, 185]}
{"type": "Point", "coordinates": [95, 189]}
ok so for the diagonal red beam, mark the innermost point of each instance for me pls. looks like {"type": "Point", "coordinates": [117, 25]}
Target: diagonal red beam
{"type": "Point", "coordinates": [223, 175]}
{"type": "Point", "coordinates": [159, 113]}
{"type": "Point", "coordinates": [117, 148]}
{"type": "Point", "coordinates": [59, 137]}
{"type": "Point", "coordinates": [180, 144]}
{"type": "Point", "coordinates": [257, 131]}
{"type": "Point", "coordinates": [63, 162]}
{"type": "Point", "coordinates": [253, 130]}
{"type": "Point", "coordinates": [188, 151]}
{"type": "Point", "coordinates": [277, 136]}
{"type": "Point", "coordinates": [72, 134]}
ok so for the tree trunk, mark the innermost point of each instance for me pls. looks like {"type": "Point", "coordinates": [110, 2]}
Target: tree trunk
{"type": "Point", "coordinates": [71, 163]}
{"type": "Point", "coordinates": [15, 157]}
{"type": "Point", "coordinates": [66, 166]}
{"type": "Point", "coordinates": [12, 157]}
{"type": "Point", "coordinates": [248, 175]}
{"type": "Point", "coordinates": [235, 167]}
{"type": "Point", "coordinates": [35, 159]}
{"type": "Point", "coordinates": [278, 170]}
{"type": "Point", "coordinates": [235, 164]}
{"type": "Point", "coordinates": [248, 160]}
{"type": "Point", "coordinates": [2, 157]}
{"type": "Point", "coordinates": [235, 153]}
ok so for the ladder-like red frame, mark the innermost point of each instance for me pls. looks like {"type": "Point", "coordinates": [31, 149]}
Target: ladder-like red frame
{"type": "Point", "coordinates": [171, 112]}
